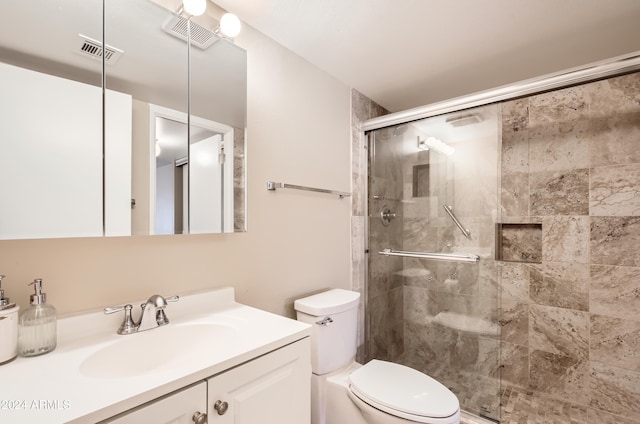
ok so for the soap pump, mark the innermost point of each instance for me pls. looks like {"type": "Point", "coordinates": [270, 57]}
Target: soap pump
{"type": "Point", "coordinates": [37, 325]}
{"type": "Point", "coordinates": [8, 327]}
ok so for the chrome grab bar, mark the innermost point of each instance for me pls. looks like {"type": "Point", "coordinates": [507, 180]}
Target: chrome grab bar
{"type": "Point", "coordinates": [451, 257]}
{"type": "Point", "coordinates": [449, 211]}
{"type": "Point", "coordinates": [273, 185]}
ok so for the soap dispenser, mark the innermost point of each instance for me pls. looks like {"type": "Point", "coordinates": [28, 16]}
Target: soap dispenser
{"type": "Point", "coordinates": [37, 325]}
{"type": "Point", "coordinates": [8, 328]}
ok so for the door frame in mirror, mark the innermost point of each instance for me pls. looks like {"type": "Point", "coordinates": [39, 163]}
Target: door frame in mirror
{"type": "Point", "coordinates": [227, 132]}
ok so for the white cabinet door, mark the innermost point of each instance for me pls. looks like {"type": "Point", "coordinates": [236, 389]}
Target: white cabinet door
{"type": "Point", "coordinates": [272, 389]}
{"type": "Point", "coordinates": [176, 408]}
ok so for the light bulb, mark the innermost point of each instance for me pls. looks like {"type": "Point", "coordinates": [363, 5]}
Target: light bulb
{"type": "Point", "coordinates": [194, 7]}
{"type": "Point", "coordinates": [230, 25]}
{"type": "Point", "coordinates": [432, 143]}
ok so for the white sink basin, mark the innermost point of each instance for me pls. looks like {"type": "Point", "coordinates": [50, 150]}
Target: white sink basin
{"type": "Point", "coordinates": [141, 353]}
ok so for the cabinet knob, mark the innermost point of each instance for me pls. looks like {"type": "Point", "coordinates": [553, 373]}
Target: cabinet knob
{"type": "Point", "coordinates": [221, 407]}
{"type": "Point", "coordinates": [199, 418]}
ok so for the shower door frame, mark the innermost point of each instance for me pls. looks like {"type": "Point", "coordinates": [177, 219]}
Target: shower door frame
{"type": "Point", "coordinates": [599, 70]}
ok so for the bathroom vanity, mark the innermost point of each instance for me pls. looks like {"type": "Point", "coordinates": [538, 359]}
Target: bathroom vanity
{"type": "Point", "coordinates": [217, 361]}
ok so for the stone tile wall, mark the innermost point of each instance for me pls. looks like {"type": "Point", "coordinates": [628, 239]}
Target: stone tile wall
{"type": "Point", "coordinates": [362, 109]}
{"type": "Point", "coordinates": [571, 325]}
{"type": "Point", "coordinates": [239, 180]}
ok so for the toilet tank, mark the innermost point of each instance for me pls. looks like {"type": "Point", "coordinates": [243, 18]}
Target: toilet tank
{"type": "Point", "coordinates": [333, 316]}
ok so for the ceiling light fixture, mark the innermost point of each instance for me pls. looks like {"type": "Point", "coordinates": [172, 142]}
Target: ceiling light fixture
{"type": "Point", "coordinates": [435, 144]}
{"type": "Point", "coordinates": [194, 7]}
{"type": "Point", "coordinates": [229, 25]}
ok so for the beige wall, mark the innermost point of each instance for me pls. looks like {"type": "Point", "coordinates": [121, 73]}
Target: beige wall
{"type": "Point", "coordinates": [297, 243]}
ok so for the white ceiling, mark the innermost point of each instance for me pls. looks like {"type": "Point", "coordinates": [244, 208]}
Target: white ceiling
{"type": "Point", "coordinates": [408, 53]}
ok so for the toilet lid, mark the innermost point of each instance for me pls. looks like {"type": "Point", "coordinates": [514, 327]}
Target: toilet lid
{"type": "Point", "coordinates": [394, 387]}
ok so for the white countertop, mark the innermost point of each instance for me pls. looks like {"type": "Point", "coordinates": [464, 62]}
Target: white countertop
{"type": "Point", "coordinates": [54, 388]}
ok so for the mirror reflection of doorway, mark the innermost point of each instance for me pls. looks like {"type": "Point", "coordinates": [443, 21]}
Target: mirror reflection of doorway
{"type": "Point", "coordinates": [206, 186]}
{"type": "Point", "coordinates": [187, 187]}
{"type": "Point", "coordinates": [171, 156]}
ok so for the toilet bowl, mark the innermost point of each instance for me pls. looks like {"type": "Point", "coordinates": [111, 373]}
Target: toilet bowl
{"type": "Point", "coordinates": [378, 392]}
{"type": "Point", "coordinates": [389, 393]}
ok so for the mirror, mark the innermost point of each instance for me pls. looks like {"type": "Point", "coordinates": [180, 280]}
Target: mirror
{"type": "Point", "coordinates": [52, 126]}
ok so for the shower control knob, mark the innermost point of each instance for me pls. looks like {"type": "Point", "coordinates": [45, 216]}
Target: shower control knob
{"type": "Point", "coordinates": [199, 418]}
{"type": "Point", "coordinates": [221, 407]}
{"type": "Point", "coordinates": [386, 216]}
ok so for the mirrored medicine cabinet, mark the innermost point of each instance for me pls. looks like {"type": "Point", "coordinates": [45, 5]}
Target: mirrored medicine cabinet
{"type": "Point", "coordinates": [117, 118]}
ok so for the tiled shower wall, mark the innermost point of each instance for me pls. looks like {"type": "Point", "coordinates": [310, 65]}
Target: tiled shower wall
{"type": "Point", "coordinates": [571, 324]}
{"type": "Point", "coordinates": [570, 339]}
{"type": "Point", "coordinates": [362, 108]}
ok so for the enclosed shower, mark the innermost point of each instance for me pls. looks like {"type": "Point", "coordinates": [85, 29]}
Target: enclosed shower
{"type": "Point", "coordinates": [500, 239]}
{"type": "Point", "coordinates": [433, 207]}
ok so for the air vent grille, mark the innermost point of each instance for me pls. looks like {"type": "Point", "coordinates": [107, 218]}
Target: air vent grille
{"type": "Point", "coordinates": [92, 48]}
{"type": "Point", "coordinates": [200, 36]}
{"type": "Point", "coordinates": [463, 120]}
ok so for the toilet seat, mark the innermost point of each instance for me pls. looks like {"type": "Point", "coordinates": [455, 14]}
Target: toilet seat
{"type": "Point", "coordinates": [402, 391]}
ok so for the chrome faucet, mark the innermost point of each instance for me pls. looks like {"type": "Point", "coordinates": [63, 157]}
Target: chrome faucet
{"type": "Point", "coordinates": [151, 316]}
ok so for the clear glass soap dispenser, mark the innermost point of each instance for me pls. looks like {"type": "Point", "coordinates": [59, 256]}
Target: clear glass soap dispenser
{"type": "Point", "coordinates": [37, 332]}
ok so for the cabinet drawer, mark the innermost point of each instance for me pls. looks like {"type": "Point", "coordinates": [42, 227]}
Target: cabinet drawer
{"type": "Point", "coordinates": [175, 408]}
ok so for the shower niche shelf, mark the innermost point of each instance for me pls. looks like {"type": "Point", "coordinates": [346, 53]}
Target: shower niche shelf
{"type": "Point", "coordinates": [519, 242]}
{"type": "Point", "coordinates": [420, 186]}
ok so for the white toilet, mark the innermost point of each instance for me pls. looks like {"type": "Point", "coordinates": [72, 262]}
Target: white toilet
{"type": "Point", "coordinates": [380, 392]}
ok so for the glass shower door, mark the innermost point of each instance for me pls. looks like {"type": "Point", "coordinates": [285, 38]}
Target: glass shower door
{"type": "Point", "coordinates": [433, 189]}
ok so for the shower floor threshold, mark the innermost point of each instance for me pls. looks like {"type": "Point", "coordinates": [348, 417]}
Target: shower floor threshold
{"type": "Point", "coordinates": [469, 418]}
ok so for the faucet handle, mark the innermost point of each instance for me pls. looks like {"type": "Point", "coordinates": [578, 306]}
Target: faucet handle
{"type": "Point", "coordinates": [113, 309]}
{"type": "Point", "coordinates": [161, 317]}
{"type": "Point", "coordinates": [128, 326]}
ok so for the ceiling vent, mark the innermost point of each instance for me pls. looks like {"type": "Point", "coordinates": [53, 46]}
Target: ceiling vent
{"type": "Point", "coordinates": [93, 49]}
{"type": "Point", "coordinates": [200, 36]}
{"type": "Point", "coordinates": [462, 120]}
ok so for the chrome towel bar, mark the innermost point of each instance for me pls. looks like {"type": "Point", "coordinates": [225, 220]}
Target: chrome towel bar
{"type": "Point", "coordinates": [451, 257]}
{"type": "Point", "coordinates": [272, 186]}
